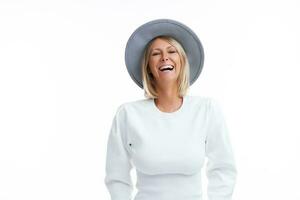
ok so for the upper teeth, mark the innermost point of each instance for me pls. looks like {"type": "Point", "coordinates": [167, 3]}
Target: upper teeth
{"type": "Point", "coordinates": [166, 66]}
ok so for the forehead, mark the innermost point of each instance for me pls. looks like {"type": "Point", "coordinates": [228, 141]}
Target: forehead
{"type": "Point", "coordinates": [160, 43]}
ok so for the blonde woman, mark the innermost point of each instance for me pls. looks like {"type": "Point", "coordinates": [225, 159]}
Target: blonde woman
{"type": "Point", "coordinates": [167, 136]}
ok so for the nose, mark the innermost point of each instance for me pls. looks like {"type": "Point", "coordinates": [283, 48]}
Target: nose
{"type": "Point", "coordinates": [165, 57]}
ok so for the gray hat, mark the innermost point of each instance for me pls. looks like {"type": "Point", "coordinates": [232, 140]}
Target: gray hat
{"type": "Point", "coordinates": [145, 33]}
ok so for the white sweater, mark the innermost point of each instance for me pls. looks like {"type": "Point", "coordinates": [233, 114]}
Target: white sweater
{"type": "Point", "coordinates": [168, 149]}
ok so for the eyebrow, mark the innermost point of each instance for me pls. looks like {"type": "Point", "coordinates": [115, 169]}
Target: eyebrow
{"type": "Point", "coordinates": [159, 48]}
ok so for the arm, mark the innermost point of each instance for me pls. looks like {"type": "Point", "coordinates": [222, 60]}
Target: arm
{"type": "Point", "coordinates": [221, 169]}
{"type": "Point", "coordinates": [117, 179]}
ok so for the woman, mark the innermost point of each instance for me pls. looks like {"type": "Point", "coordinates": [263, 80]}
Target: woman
{"type": "Point", "coordinates": [168, 135]}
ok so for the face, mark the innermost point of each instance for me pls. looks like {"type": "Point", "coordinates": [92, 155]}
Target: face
{"type": "Point", "coordinates": [164, 62]}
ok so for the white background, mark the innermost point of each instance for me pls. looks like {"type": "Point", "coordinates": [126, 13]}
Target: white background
{"type": "Point", "coordinates": [63, 74]}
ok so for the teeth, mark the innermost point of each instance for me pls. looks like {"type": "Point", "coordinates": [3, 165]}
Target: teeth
{"type": "Point", "coordinates": [166, 66]}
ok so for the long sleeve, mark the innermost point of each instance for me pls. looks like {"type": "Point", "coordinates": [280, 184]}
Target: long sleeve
{"type": "Point", "coordinates": [221, 170]}
{"type": "Point", "coordinates": [118, 166]}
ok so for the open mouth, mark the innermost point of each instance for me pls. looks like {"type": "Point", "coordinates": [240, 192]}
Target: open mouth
{"type": "Point", "coordinates": [166, 68]}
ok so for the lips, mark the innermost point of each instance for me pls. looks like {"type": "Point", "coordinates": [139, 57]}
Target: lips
{"type": "Point", "coordinates": [166, 67]}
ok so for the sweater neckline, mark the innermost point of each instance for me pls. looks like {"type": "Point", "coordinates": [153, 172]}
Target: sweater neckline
{"type": "Point", "coordinates": [169, 114]}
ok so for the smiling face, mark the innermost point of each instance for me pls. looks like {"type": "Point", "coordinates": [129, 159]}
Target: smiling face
{"type": "Point", "coordinates": [164, 62]}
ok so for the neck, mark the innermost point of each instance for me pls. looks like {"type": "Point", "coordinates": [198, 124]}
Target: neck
{"type": "Point", "coordinates": [168, 100]}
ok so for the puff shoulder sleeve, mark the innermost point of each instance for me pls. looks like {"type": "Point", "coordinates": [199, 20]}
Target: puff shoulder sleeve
{"type": "Point", "coordinates": [118, 166]}
{"type": "Point", "coordinates": [221, 170]}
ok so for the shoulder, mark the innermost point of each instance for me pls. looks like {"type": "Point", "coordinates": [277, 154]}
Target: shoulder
{"type": "Point", "coordinates": [128, 106]}
{"type": "Point", "coordinates": [215, 107]}
{"type": "Point", "coordinates": [208, 103]}
{"type": "Point", "coordinates": [198, 100]}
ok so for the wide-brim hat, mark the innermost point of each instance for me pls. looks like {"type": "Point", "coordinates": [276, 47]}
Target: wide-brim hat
{"type": "Point", "coordinates": [145, 33]}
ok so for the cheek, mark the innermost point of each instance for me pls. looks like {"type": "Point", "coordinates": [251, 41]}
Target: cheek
{"type": "Point", "coordinates": [177, 59]}
{"type": "Point", "coordinates": [152, 61]}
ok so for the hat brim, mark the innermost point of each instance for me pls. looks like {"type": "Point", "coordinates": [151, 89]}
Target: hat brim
{"type": "Point", "coordinates": [144, 34]}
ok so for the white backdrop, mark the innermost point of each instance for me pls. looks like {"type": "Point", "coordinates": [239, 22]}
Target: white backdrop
{"type": "Point", "coordinates": [63, 74]}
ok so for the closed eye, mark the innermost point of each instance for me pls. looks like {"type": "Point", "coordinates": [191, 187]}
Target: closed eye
{"type": "Point", "coordinates": [154, 54]}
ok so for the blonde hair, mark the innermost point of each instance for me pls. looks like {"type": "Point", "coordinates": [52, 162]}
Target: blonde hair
{"type": "Point", "coordinates": [184, 74]}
